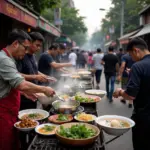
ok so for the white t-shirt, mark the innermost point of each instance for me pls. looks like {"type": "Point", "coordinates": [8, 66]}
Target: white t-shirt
{"type": "Point", "coordinates": [97, 58]}
{"type": "Point", "coordinates": [72, 58]}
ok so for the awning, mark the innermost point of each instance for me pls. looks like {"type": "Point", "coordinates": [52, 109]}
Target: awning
{"type": "Point", "coordinates": [108, 44]}
{"type": "Point", "coordinates": [144, 30]}
{"type": "Point", "coordinates": [125, 38]}
{"type": "Point", "coordinates": [47, 26]}
{"type": "Point", "coordinates": [63, 39]}
{"type": "Point", "coordinates": [13, 10]}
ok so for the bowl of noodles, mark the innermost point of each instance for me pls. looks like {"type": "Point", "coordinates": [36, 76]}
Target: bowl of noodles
{"type": "Point", "coordinates": [83, 117]}
{"type": "Point", "coordinates": [114, 125]}
{"type": "Point", "coordinates": [33, 114]}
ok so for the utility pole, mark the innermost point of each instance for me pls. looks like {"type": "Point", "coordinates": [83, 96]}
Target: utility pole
{"type": "Point", "coordinates": [122, 19]}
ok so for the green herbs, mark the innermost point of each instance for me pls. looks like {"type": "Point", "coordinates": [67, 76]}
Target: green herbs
{"type": "Point", "coordinates": [48, 128]}
{"type": "Point", "coordinates": [77, 132]}
{"type": "Point", "coordinates": [84, 99]}
{"type": "Point", "coordinates": [62, 117]}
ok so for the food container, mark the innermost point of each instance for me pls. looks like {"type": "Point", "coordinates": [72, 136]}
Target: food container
{"type": "Point", "coordinates": [43, 99]}
{"type": "Point", "coordinates": [114, 130]}
{"type": "Point", "coordinates": [99, 93]}
{"type": "Point", "coordinates": [44, 113]}
{"type": "Point", "coordinates": [66, 107]}
{"type": "Point", "coordinates": [77, 142]}
{"type": "Point", "coordinates": [25, 129]}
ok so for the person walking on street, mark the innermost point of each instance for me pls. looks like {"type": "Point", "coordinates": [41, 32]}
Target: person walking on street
{"type": "Point", "coordinates": [97, 59]}
{"type": "Point", "coordinates": [137, 90]}
{"type": "Point", "coordinates": [81, 60]}
{"type": "Point", "coordinates": [90, 61]}
{"type": "Point", "coordinates": [111, 67]}
{"type": "Point", "coordinates": [126, 63]}
{"type": "Point", "coordinates": [73, 58]}
{"type": "Point", "coordinates": [119, 55]}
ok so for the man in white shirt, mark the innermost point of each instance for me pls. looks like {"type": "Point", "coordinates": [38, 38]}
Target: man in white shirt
{"type": "Point", "coordinates": [97, 58]}
{"type": "Point", "coordinates": [73, 58]}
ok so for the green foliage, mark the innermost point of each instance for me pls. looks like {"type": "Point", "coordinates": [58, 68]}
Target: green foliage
{"type": "Point", "coordinates": [80, 38]}
{"type": "Point", "coordinates": [131, 17]}
{"type": "Point", "coordinates": [40, 5]}
{"type": "Point", "coordinates": [72, 22]}
{"type": "Point", "coordinates": [97, 38]}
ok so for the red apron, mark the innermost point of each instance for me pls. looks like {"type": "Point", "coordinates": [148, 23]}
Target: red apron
{"type": "Point", "coordinates": [9, 107]}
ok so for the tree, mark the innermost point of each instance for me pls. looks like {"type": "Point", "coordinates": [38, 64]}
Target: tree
{"type": "Point", "coordinates": [40, 5]}
{"type": "Point", "coordinates": [131, 17]}
{"type": "Point", "coordinates": [80, 38]}
{"type": "Point", "coordinates": [72, 22]}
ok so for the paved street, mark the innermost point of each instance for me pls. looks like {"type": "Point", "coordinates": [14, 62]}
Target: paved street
{"type": "Point", "coordinates": [105, 108]}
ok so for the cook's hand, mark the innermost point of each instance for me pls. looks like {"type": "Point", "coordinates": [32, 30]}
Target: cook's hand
{"type": "Point", "coordinates": [41, 78]}
{"type": "Point", "coordinates": [116, 94]}
{"type": "Point", "coordinates": [48, 91]}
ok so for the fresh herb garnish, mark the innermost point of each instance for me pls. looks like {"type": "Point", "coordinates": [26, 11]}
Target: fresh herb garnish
{"type": "Point", "coordinates": [77, 132]}
{"type": "Point", "coordinates": [62, 117]}
{"type": "Point", "coordinates": [33, 115]}
{"type": "Point", "coordinates": [48, 128]}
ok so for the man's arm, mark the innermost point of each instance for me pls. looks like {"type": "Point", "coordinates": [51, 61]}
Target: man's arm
{"type": "Point", "coordinates": [38, 77]}
{"type": "Point", "coordinates": [133, 86]}
{"type": "Point", "coordinates": [30, 88]}
{"type": "Point", "coordinates": [123, 64]}
{"type": "Point", "coordinates": [60, 65]}
{"type": "Point", "coordinates": [29, 77]}
{"type": "Point", "coordinates": [117, 67]}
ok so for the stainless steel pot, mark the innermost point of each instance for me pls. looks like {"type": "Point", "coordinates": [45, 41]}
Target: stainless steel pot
{"type": "Point", "coordinates": [66, 107]}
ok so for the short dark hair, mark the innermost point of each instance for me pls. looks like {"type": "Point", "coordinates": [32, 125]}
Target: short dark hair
{"type": "Point", "coordinates": [137, 42]}
{"type": "Point", "coordinates": [53, 46]}
{"type": "Point", "coordinates": [19, 35]}
{"type": "Point", "coordinates": [120, 49]}
{"type": "Point", "coordinates": [36, 36]}
{"type": "Point", "coordinates": [99, 50]}
{"type": "Point", "coordinates": [111, 48]}
{"type": "Point", "coordinates": [90, 54]}
{"type": "Point", "coordinates": [61, 46]}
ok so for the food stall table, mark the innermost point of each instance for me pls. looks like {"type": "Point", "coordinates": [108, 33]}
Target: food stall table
{"type": "Point", "coordinates": [52, 143]}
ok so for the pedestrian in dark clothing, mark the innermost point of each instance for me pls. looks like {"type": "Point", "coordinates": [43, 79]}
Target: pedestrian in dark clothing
{"type": "Point", "coordinates": [111, 67]}
{"type": "Point", "coordinates": [81, 60]}
{"type": "Point", "coordinates": [119, 55]}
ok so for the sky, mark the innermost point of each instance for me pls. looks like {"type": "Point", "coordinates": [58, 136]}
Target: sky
{"type": "Point", "coordinates": [90, 10]}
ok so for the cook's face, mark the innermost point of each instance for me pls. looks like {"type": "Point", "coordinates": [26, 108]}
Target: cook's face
{"type": "Point", "coordinates": [35, 46]}
{"type": "Point", "coordinates": [20, 49]}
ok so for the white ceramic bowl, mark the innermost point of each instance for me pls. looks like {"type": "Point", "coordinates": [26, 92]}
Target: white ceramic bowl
{"type": "Point", "coordinates": [111, 130]}
{"type": "Point", "coordinates": [30, 111]}
{"type": "Point", "coordinates": [42, 125]}
{"type": "Point", "coordinates": [25, 129]}
{"type": "Point", "coordinates": [99, 93]}
{"type": "Point", "coordinates": [43, 99]}
{"type": "Point", "coordinates": [93, 116]}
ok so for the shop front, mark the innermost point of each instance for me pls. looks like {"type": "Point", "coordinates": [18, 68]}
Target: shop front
{"type": "Point", "coordinates": [13, 16]}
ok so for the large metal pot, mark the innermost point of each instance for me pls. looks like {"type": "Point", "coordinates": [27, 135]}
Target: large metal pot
{"type": "Point", "coordinates": [66, 107]}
